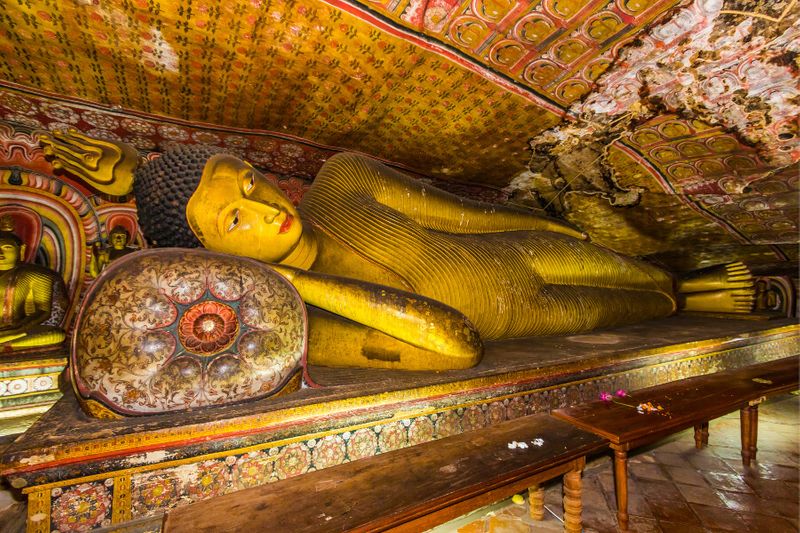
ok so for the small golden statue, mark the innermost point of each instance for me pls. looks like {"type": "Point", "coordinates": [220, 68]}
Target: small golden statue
{"type": "Point", "coordinates": [375, 247]}
{"type": "Point", "coordinates": [118, 239]}
{"type": "Point", "coordinates": [34, 298]}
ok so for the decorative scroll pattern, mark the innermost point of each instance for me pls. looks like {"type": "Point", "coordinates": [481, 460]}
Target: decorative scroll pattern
{"type": "Point", "coordinates": [39, 511]}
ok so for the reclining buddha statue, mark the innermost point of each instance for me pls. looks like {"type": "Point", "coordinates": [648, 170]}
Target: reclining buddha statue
{"type": "Point", "coordinates": [396, 274]}
{"type": "Point", "coordinates": [34, 297]}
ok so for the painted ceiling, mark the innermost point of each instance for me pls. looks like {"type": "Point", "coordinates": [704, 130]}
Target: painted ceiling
{"type": "Point", "coordinates": [666, 129]}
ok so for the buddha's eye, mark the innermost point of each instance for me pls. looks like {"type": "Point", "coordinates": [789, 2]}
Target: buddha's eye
{"type": "Point", "coordinates": [234, 220]}
{"type": "Point", "coordinates": [249, 182]}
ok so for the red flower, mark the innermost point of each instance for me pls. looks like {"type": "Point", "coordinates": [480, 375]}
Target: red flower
{"type": "Point", "coordinates": [208, 328]}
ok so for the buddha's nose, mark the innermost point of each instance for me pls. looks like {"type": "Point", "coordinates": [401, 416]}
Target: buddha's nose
{"type": "Point", "coordinates": [270, 212]}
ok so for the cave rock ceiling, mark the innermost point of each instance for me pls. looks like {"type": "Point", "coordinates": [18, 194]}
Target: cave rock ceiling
{"type": "Point", "coordinates": [666, 129]}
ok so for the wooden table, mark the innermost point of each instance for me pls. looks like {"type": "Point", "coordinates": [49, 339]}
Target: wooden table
{"type": "Point", "coordinates": [411, 489]}
{"type": "Point", "coordinates": [685, 403]}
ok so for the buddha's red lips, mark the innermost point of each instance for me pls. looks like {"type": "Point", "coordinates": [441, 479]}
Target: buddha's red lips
{"type": "Point", "coordinates": [286, 224]}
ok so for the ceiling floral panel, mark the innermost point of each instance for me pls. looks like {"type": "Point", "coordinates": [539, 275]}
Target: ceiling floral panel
{"type": "Point", "coordinates": [302, 68]}
{"type": "Point", "coordinates": [704, 107]}
{"type": "Point", "coordinates": [557, 48]}
{"type": "Point", "coordinates": [291, 162]}
{"type": "Point", "coordinates": [677, 231]}
{"type": "Point", "coordinates": [721, 178]}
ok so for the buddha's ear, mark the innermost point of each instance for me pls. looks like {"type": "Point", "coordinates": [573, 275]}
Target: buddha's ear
{"type": "Point", "coordinates": [22, 248]}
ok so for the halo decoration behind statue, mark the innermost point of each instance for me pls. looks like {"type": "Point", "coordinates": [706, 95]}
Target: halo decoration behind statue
{"type": "Point", "coordinates": [172, 329]}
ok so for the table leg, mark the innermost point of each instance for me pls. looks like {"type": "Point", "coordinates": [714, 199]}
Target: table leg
{"type": "Point", "coordinates": [536, 502]}
{"type": "Point", "coordinates": [572, 501]}
{"type": "Point", "coordinates": [701, 435]}
{"type": "Point", "coordinates": [621, 483]}
{"type": "Point", "coordinates": [749, 427]}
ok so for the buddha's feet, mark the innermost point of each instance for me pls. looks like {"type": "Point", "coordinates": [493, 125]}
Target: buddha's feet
{"type": "Point", "coordinates": [725, 288]}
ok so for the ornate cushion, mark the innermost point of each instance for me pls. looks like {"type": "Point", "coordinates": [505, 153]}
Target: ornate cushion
{"type": "Point", "coordinates": [171, 329]}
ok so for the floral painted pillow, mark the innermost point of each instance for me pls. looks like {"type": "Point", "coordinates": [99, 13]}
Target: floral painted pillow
{"type": "Point", "coordinates": [172, 329]}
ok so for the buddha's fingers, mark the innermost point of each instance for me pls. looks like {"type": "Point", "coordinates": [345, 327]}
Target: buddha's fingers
{"type": "Point", "coordinates": [73, 148]}
{"type": "Point", "coordinates": [8, 338]}
{"type": "Point", "coordinates": [104, 164]}
{"type": "Point", "coordinates": [81, 164]}
{"type": "Point", "coordinates": [738, 271]}
{"type": "Point", "coordinates": [70, 138]}
{"type": "Point", "coordinates": [565, 229]}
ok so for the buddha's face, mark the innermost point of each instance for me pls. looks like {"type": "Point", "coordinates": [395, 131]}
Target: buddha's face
{"type": "Point", "coordinates": [118, 239]}
{"type": "Point", "coordinates": [10, 253]}
{"type": "Point", "coordinates": [237, 210]}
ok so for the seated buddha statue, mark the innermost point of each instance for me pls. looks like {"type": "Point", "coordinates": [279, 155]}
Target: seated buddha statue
{"type": "Point", "coordinates": [118, 239]}
{"type": "Point", "coordinates": [368, 246]}
{"type": "Point", "coordinates": [34, 297]}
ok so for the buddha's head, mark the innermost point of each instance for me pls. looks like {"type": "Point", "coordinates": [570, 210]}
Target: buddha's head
{"type": "Point", "coordinates": [192, 196]}
{"type": "Point", "coordinates": [12, 249]}
{"type": "Point", "coordinates": [237, 210]}
{"type": "Point", "coordinates": [118, 237]}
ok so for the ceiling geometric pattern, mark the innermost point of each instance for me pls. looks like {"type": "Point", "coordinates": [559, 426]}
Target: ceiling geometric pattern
{"type": "Point", "coordinates": [301, 68]}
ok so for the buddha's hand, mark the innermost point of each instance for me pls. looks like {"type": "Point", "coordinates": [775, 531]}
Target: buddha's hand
{"type": "Point", "coordinates": [107, 166]}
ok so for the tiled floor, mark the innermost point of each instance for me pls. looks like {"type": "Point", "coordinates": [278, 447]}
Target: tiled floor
{"type": "Point", "coordinates": [674, 487]}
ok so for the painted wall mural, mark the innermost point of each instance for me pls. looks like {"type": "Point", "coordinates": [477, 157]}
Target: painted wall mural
{"type": "Point", "coordinates": [680, 113]}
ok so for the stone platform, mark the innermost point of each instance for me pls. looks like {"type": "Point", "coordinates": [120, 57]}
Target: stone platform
{"type": "Point", "coordinates": [81, 473]}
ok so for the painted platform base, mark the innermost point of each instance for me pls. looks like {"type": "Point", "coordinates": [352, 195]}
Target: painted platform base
{"type": "Point", "coordinates": [81, 473]}
{"type": "Point", "coordinates": [28, 386]}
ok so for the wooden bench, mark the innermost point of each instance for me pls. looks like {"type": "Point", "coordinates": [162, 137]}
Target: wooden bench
{"type": "Point", "coordinates": [411, 489]}
{"type": "Point", "coordinates": [685, 403]}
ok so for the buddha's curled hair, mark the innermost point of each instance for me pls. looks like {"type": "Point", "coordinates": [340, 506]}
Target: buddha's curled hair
{"type": "Point", "coordinates": [162, 188]}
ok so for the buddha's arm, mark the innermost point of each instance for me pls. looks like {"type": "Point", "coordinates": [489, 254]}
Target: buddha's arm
{"type": "Point", "coordinates": [428, 206]}
{"type": "Point", "coordinates": [98, 261]}
{"type": "Point", "coordinates": [38, 295]}
{"type": "Point", "coordinates": [34, 290]}
{"type": "Point", "coordinates": [108, 166]}
{"type": "Point", "coordinates": [441, 211]}
{"type": "Point", "coordinates": [432, 329]}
